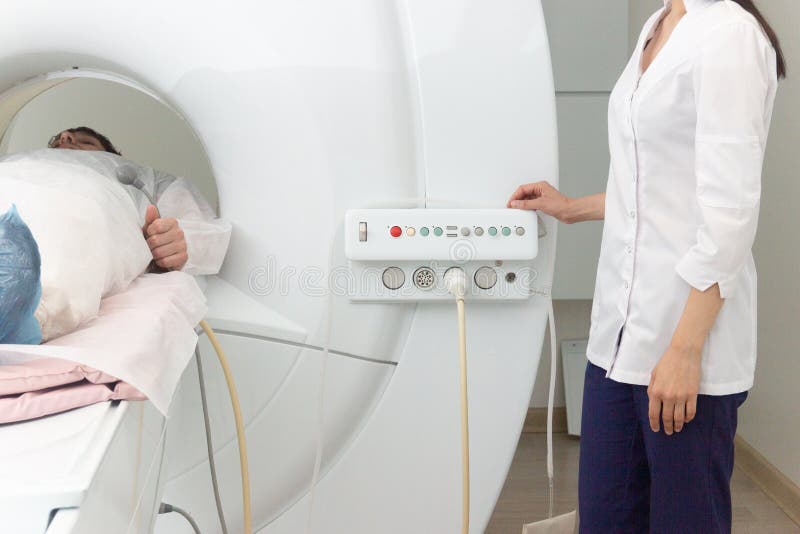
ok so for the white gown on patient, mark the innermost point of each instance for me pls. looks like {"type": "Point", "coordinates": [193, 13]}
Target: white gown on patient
{"type": "Point", "coordinates": [88, 226]}
{"type": "Point", "coordinates": [207, 236]}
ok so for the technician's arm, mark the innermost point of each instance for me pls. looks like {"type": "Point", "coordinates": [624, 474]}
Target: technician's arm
{"type": "Point", "coordinates": [675, 380]}
{"type": "Point", "coordinates": [544, 197]}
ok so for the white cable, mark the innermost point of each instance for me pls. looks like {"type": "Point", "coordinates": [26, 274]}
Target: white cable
{"type": "Point", "coordinates": [550, 401]}
{"type": "Point", "coordinates": [414, 202]}
{"type": "Point", "coordinates": [455, 279]}
{"type": "Point", "coordinates": [321, 399]}
{"type": "Point", "coordinates": [553, 367]}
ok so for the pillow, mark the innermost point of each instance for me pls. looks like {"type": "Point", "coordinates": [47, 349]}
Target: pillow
{"type": "Point", "coordinates": [88, 234]}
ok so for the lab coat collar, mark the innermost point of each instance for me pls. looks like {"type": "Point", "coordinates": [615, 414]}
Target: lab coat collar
{"type": "Point", "coordinates": [690, 4]}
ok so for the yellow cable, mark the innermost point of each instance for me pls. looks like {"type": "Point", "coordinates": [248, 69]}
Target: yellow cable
{"type": "Point", "coordinates": [237, 415]}
{"type": "Point", "coordinates": [462, 348]}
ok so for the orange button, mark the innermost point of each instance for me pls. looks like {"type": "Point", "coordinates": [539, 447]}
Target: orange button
{"type": "Point", "coordinates": [396, 231]}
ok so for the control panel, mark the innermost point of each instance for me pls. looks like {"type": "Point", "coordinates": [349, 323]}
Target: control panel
{"type": "Point", "coordinates": [402, 254]}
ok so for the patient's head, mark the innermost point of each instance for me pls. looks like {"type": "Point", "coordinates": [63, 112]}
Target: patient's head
{"type": "Point", "coordinates": [82, 138]}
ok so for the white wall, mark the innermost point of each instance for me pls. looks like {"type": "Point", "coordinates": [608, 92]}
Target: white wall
{"type": "Point", "coordinates": [140, 127]}
{"type": "Point", "coordinates": [770, 419]}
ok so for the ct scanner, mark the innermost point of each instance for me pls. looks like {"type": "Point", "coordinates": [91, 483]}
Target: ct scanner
{"type": "Point", "coordinates": [308, 109]}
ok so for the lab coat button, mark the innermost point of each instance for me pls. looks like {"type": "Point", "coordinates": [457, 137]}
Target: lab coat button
{"type": "Point", "coordinates": [626, 285]}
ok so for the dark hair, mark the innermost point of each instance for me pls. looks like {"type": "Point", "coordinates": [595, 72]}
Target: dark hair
{"type": "Point", "coordinates": [750, 7]}
{"type": "Point", "coordinates": [108, 146]}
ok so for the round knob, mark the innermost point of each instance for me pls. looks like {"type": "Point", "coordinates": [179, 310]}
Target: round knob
{"type": "Point", "coordinates": [394, 278]}
{"type": "Point", "coordinates": [485, 278]}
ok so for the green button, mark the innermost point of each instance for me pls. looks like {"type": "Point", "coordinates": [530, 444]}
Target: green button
{"type": "Point", "coordinates": [506, 230]}
{"type": "Point", "coordinates": [437, 231]}
{"type": "Point", "coordinates": [492, 230]}
{"type": "Point", "coordinates": [424, 230]}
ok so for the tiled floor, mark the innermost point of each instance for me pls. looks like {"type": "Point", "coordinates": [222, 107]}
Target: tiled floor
{"type": "Point", "coordinates": [524, 498]}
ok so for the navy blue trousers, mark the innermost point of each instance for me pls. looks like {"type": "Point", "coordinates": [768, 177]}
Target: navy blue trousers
{"type": "Point", "coordinates": [632, 479]}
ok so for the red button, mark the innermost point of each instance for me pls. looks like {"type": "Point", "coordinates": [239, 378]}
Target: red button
{"type": "Point", "coordinates": [396, 231]}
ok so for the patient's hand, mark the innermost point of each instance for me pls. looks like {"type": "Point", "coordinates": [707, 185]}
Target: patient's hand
{"type": "Point", "coordinates": [166, 240]}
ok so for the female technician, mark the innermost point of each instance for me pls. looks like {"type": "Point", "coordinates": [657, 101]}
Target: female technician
{"type": "Point", "coordinates": [672, 345]}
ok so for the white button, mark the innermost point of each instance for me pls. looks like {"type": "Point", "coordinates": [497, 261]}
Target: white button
{"type": "Point", "coordinates": [628, 250]}
{"type": "Point", "coordinates": [632, 214]}
{"type": "Point", "coordinates": [626, 285]}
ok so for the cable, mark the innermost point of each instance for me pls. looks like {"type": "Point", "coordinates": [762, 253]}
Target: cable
{"type": "Point", "coordinates": [240, 436]}
{"type": "Point", "coordinates": [321, 399]}
{"type": "Point", "coordinates": [548, 293]}
{"type": "Point", "coordinates": [413, 202]}
{"type": "Point", "coordinates": [209, 445]}
{"type": "Point", "coordinates": [462, 349]}
{"type": "Point", "coordinates": [550, 401]}
{"type": "Point", "coordinates": [165, 508]}
{"type": "Point", "coordinates": [455, 280]}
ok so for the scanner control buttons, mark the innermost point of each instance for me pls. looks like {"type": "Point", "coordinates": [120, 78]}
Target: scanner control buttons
{"type": "Point", "coordinates": [485, 278]}
{"type": "Point", "coordinates": [393, 278]}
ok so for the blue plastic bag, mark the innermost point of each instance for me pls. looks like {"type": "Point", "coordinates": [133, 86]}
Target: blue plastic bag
{"type": "Point", "coordinates": [20, 281]}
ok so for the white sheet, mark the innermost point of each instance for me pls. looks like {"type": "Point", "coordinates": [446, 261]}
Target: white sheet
{"type": "Point", "coordinates": [144, 336]}
{"type": "Point", "coordinates": [88, 232]}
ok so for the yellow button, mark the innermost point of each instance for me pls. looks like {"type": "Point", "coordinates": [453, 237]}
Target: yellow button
{"type": "Point", "coordinates": [410, 232]}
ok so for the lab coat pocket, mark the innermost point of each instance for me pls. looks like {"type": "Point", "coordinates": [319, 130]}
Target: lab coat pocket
{"type": "Point", "coordinates": [728, 171]}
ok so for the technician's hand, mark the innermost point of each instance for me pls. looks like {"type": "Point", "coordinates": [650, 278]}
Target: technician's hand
{"type": "Point", "coordinates": [166, 240]}
{"type": "Point", "coordinates": [673, 388]}
{"type": "Point", "coordinates": [540, 196]}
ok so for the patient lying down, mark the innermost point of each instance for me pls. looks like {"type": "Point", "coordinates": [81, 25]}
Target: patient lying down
{"type": "Point", "coordinates": [72, 234]}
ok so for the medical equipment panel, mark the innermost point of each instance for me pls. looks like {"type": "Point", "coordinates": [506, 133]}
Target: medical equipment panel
{"type": "Point", "coordinates": [402, 254]}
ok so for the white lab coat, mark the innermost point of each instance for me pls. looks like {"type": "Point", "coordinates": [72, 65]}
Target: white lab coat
{"type": "Point", "coordinates": [687, 142]}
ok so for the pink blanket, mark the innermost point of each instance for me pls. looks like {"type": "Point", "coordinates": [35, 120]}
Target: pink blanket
{"type": "Point", "coordinates": [51, 385]}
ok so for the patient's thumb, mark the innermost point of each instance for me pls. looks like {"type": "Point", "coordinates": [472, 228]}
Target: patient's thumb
{"type": "Point", "coordinates": [150, 215]}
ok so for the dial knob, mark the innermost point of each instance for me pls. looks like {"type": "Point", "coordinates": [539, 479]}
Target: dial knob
{"type": "Point", "coordinates": [485, 278]}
